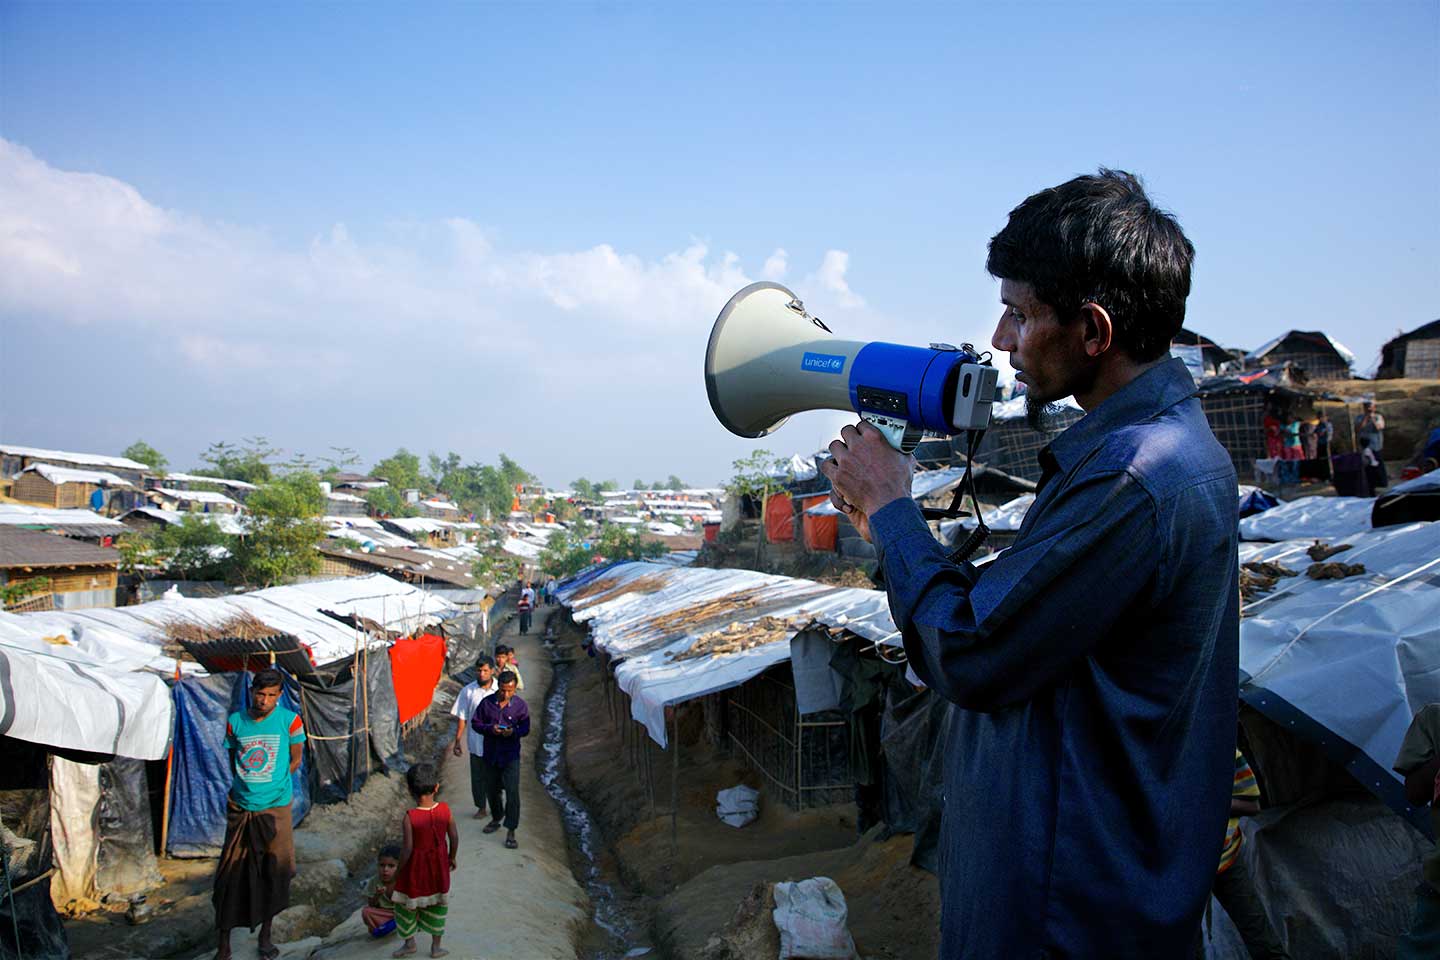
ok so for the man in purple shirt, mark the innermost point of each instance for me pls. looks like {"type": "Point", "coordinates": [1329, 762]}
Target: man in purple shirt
{"type": "Point", "coordinates": [503, 719]}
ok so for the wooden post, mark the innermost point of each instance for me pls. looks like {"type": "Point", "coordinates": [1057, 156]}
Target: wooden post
{"type": "Point", "coordinates": [169, 774]}
{"type": "Point", "coordinates": [365, 693]}
{"type": "Point", "coordinates": [675, 787]}
{"type": "Point", "coordinates": [354, 666]}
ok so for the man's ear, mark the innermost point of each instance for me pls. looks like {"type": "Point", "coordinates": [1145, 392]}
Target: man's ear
{"type": "Point", "coordinates": [1099, 330]}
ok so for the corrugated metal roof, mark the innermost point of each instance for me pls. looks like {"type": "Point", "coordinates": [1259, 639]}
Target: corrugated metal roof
{"type": "Point", "coordinates": [195, 496]}
{"type": "Point", "coordinates": [32, 548]}
{"type": "Point", "coordinates": [77, 523]}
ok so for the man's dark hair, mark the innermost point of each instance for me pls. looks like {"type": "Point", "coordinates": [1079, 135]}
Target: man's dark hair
{"type": "Point", "coordinates": [391, 850]}
{"type": "Point", "coordinates": [269, 677]}
{"type": "Point", "coordinates": [1099, 239]}
{"type": "Point", "coordinates": [501, 649]}
{"type": "Point", "coordinates": [506, 676]}
{"type": "Point", "coordinates": [422, 779]}
{"type": "Point", "coordinates": [485, 660]}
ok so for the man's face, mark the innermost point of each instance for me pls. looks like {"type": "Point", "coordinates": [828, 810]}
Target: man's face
{"type": "Point", "coordinates": [507, 690]}
{"type": "Point", "coordinates": [386, 868]}
{"type": "Point", "coordinates": [483, 674]}
{"type": "Point", "coordinates": [1048, 357]}
{"type": "Point", "coordinates": [263, 700]}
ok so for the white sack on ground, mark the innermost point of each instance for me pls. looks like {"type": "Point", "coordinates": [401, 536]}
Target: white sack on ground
{"type": "Point", "coordinates": [1310, 517]}
{"type": "Point", "coordinates": [811, 917]}
{"type": "Point", "coordinates": [738, 805]}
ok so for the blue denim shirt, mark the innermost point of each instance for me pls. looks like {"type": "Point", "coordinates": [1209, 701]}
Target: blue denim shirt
{"type": "Point", "coordinates": [1093, 668]}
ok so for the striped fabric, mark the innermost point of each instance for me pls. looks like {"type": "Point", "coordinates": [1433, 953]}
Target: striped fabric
{"type": "Point", "coordinates": [429, 920]}
{"type": "Point", "coordinates": [1245, 789]}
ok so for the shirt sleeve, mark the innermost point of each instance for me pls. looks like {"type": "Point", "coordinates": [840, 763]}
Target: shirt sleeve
{"type": "Point", "coordinates": [461, 707]}
{"type": "Point", "coordinates": [985, 640]}
{"type": "Point", "coordinates": [522, 722]}
{"type": "Point", "coordinates": [297, 730]}
{"type": "Point", "coordinates": [481, 723]}
{"type": "Point", "coordinates": [1420, 741]}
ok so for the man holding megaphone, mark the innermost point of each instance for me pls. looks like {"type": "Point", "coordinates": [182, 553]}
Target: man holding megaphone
{"type": "Point", "coordinates": [1094, 663]}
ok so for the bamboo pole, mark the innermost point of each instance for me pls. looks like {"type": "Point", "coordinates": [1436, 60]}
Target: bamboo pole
{"type": "Point", "coordinates": [365, 693]}
{"type": "Point", "coordinates": [169, 774]}
{"type": "Point", "coordinates": [675, 787]}
{"type": "Point", "coordinates": [354, 665]}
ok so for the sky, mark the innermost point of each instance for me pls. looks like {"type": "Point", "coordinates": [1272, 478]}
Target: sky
{"type": "Point", "coordinates": [510, 227]}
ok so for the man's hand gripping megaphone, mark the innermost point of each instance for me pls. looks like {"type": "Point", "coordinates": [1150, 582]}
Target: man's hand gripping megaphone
{"type": "Point", "coordinates": [866, 472]}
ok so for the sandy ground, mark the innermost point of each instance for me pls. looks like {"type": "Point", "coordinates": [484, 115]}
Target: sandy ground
{"type": "Point", "coordinates": [520, 904]}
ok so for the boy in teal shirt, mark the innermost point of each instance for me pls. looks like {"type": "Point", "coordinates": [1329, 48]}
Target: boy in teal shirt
{"type": "Point", "coordinates": [252, 881]}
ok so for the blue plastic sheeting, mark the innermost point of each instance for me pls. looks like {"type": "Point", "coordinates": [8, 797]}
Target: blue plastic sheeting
{"type": "Point", "coordinates": [1255, 501]}
{"type": "Point", "coordinates": [1347, 663]}
{"type": "Point", "coordinates": [201, 777]}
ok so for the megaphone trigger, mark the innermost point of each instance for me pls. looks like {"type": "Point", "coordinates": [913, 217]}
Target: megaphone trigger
{"type": "Point", "coordinates": [768, 359]}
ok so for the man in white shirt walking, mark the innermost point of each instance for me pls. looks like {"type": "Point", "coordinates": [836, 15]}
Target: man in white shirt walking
{"type": "Point", "coordinates": [466, 739]}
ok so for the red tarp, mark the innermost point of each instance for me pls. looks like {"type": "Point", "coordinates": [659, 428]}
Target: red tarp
{"type": "Point", "coordinates": [712, 531]}
{"type": "Point", "coordinates": [779, 518]}
{"type": "Point", "coordinates": [819, 533]}
{"type": "Point", "coordinates": [416, 664]}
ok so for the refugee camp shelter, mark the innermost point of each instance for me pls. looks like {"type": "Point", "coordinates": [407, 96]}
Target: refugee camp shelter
{"type": "Point", "coordinates": [193, 501]}
{"type": "Point", "coordinates": [66, 488]}
{"type": "Point", "coordinates": [79, 524]}
{"type": "Point", "coordinates": [439, 509]}
{"type": "Point", "coordinates": [1212, 356]}
{"type": "Point", "coordinates": [671, 636]}
{"type": "Point", "coordinates": [15, 458]}
{"type": "Point", "coordinates": [1415, 355]}
{"type": "Point", "coordinates": [423, 568]}
{"type": "Point", "coordinates": [236, 489]}
{"type": "Point", "coordinates": [65, 574]}
{"type": "Point", "coordinates": [152, 519]}
{"type": "Point", "coordinates": [426, 531]}
{"type": "Point", "coordinates": [338, 504]}
{"type": "Point", "coordinates": [1235, 406]}
{"type": "Point", "coordinates": [1317, 354]}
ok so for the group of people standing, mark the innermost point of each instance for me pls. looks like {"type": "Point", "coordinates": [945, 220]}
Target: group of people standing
{"type": "Point", "coordinates": [529, 599]}
{"type": "Point", "coordinates": [1295, 439]}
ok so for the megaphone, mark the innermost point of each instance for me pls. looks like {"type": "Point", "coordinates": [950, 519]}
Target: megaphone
{"type": "Point", "coordinates": [769, 359]}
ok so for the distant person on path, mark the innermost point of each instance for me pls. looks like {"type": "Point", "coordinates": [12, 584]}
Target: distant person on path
{"type": "Point", "coordinates": [1234, 886]}
{"type": "Point", "coordinates": [550, 592]}
{"type": "Point", "coordinates": [466, 739]}
{"type": "Point", "coordinates": [257, 861]}
{"type": "Point", "coordinates": [1324, 433]}
{"type": "Point", "coordinates": [427, 857]}
{"type": "Point", "coordinates": [505, 660]}
{"type": "Point", "coordinates": [379, 911]}
{"type": "Point", "coordinates": [1370, 425]}
{"type": "Point", "coordinates": [1419, 763]}
{"type": "Point", "coordinates": [1307, 439]}
{"type": "Point", "coordinates": [503, 720]}
{"type": "Point", "coordinates": [525, 605]}
{"type": "Point", "coordinates": [1293, 450]}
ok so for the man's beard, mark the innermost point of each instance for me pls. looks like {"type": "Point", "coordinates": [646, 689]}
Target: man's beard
{"type": "Point", "coordinates": [1039, 415]}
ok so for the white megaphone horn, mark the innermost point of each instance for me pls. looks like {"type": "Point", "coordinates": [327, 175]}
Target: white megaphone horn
{"type": "Point", "coordinates": [769, 359]}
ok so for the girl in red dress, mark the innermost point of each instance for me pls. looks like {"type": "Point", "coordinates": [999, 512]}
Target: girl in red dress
{"type": "Point", "coordinates": [422, 887]}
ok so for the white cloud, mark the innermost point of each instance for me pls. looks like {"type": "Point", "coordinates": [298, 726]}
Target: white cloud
{"type": "Point", "coordinates": [775, 265]}
{"type": "Point", "coordinates": [560, 328]}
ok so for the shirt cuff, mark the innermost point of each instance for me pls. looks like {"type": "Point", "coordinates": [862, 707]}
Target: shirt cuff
{"type": "Point", "coordinates": [894, 522]}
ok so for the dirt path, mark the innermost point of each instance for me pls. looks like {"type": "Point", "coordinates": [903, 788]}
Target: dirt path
{"type": "Point", "coordinates": [503, 903]}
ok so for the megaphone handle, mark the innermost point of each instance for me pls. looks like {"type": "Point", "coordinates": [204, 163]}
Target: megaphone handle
{"type": "Point", "coordinates": [899, 433]}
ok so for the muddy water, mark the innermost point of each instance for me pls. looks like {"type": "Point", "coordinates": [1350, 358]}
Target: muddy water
{"type": "Point", "coordinates": [621, 932]}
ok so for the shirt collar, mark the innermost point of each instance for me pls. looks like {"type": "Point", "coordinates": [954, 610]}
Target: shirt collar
{"type": "Point", "coordinates": [1155, 390]}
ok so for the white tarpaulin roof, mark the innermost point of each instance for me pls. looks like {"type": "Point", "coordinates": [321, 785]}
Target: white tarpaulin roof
{"type": "Point", "coordinates": [129, 638]}
{"type": "Point", "coordinates": [524, 549]}
{"type": "Point", "coordinates": [1322, 517]}
{"type": "Point", "coordinates": [624, 627]}
{"type": "Point", "coordinates": [21, 515]}
{"type": "Point", "coordinates": [65, 456]}
{"type": "Point", "coordinates": [218, 481]}
{"type": "Point", "coordinates": [196, 496]}
{"type": "Point", "coordinates": [1349, 662]}
{"type": "Point", "coordinates": [230, 523]}
{"type": "Point", "coordinates": [59, 475]}
{"type": "Point", "coordinates": [419, 524]}
{"type": "Point", "coordinates": [55, 696]}
{"type": "Point", "coordinates": [1260, 351]}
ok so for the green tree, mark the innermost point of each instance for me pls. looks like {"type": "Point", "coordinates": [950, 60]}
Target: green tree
{"type": "Point", "coordinates": [251, 460]}
{"type": "Point", "coordinates": [571, 551]}
{"type": "Point", "coordinates": [755, 477]}
{"type": "Point", "coordinates": [675, 483]}
{"type": "Point", "coordinates": [148, 455]}
{"type": "Point", "coordinates": [388, 502]}
{"type": "Point", "coordinates": [607, 486]}
{"type": "Point", "coordinates": [194, 548]}
{"type": "Point", "coordinates": [284, 526]}
{"type": "Point", "coordinates": [401, 469]}
{"type": "Point", "coordinates": [584, 489]}
{"type": "Point", "coordinates": [339, 460]}
{"type": "Point", "coordinates": [638, 485]}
